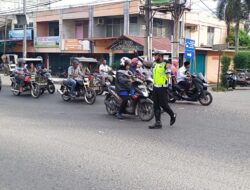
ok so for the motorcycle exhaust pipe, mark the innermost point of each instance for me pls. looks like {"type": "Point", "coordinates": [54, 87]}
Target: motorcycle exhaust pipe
{"type": "Point", "coordinates": [60, 92]}
{"type": "Point", "coordinates": [13, 90]}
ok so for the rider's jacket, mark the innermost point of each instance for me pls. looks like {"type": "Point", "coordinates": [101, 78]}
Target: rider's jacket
{"type": "Point", "coordinates": [75, 74]}
{"type": "Point", "coordinates": [122, 82]}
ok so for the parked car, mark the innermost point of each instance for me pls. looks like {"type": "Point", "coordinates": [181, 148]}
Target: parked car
{"type": "Point", "coordinates": [243, 77]}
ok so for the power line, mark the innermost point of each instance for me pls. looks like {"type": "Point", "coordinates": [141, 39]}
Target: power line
{"type": "Point", "coordinates": [208, 8]}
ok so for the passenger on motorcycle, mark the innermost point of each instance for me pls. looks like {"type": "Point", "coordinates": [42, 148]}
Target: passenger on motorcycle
{"type": "Point", "coordinates": [103, 70]}
{"type": "Point", "coordinates": [133, 66]}
{"type": "Point", "coordinates": [20, 71]}
{"type": "Point", "coordinates": [74, 74]}
{"type": "Point", "coordinates": [182, 77]}
{"type": "Point", "coordinates": [123, 84]}
{"type": "Point", "coordinates": [31, 69]}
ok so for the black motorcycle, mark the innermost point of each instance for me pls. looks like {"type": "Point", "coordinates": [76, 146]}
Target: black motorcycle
{"type": "Point", "coordinates": [82, 91]}
{"type": "Point", "coordinates": [138, 104]}
{"type": "Point", "coordinates": [177, 93]}
{"type": "Point", "coordinates": [47, 83]}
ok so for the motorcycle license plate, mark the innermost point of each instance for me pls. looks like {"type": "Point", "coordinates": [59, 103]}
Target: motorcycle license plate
{"type": "Point", "coordinates": [42, 84]}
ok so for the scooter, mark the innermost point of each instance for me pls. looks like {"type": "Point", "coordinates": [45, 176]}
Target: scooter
{"type": "Point", "coordinates": [176, 93]}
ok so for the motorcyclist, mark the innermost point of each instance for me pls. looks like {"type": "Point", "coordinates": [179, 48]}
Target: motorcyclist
{"type": "Point", "coordinates": [20, 71]}
{"type": "Point", "coordinates": [74, 74]}
{"type": "Point", "coordinates": [31, 69]}
{"type": "Point", "coordinates": [123, 84]}
{"type": "Point", "coordinates": [183, 77]}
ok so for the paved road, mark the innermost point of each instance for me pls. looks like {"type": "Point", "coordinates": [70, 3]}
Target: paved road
{"type": "Point", "coordinates": [48, 144]}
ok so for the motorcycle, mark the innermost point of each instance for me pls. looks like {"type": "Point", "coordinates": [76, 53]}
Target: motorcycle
{"type": "Point", "coordinates": [138, 104]}
{"type": "Point", "coordinates": [231, 80]}
{"type": "Point", "coordinates": [98, 83]}
{"type": "Point", "coordinates": [48, 84]}
{"type": "Point", "coordinates": [82, 91]}
{"type": "Point", "coordinates": [204, 97]}
{"type": "Point", "coordinates": [30, 84]}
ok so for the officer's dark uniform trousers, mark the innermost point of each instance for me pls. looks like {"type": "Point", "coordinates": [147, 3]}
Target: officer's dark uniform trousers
{"type": "Point", "coordinates": [160, 98]}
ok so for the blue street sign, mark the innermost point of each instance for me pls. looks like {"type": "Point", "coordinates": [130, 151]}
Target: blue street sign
{"type": "Point", "coordinates": [189, 48]}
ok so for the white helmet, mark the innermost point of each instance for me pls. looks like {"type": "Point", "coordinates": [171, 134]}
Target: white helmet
{"type": "Point", "coordinates": [124, 61]}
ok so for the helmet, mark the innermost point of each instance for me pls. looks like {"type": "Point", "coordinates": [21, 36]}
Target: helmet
{"type": "Point", "coordinates": [134, 61]}
{"type": "Point", "coordinates": [148, 64]}
{"type": "Point", "coordinates": [125, 61]}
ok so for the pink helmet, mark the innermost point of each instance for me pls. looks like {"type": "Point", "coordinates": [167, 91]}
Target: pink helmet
{"type": "Point", "coordinates": [134, 61]}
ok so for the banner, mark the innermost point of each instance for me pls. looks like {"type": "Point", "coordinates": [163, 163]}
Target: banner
{"type": "Point", "coordinates": [76, 45]}
{"type": "Point", "coordinates": [47, 42]}
{"type": "Point", "coordinates": [19, 34]}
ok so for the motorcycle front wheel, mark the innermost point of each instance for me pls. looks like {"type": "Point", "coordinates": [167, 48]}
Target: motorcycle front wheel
{"type": "Point", "coordinates": [146, 111]}
{"type": "Point", "coordinates": [35, 91]}
{"type": "Point", "coordinates": [15, 89]}
{"type": "Point", "coordinates": [207, 99]}
{"type": "Point", "coordinates": [110, 107]}
{"type": "Point", "coordinates": [90, 96]}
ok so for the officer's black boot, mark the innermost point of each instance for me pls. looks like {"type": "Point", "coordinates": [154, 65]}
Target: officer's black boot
{"type": "Point", "coordinates": [157, 124]}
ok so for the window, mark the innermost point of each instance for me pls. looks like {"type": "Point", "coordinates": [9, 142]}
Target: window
{"type": "Point", "coordinates": [114, 27]}
{"type": "Point", "coordinates": [133, 27]}
{"type": "Point", "coordinates": [210, 36]}
{"type": "Point", "coordinates": [158, 28]}
{"type": "Point", "coordinates": [54, 29]}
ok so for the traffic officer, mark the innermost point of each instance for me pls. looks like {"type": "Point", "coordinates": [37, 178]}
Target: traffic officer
{"type": "Point", "coordinates": [160, 95]}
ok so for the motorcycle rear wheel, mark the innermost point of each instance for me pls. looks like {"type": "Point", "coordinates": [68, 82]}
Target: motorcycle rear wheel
{"type": "Point", "coordinates": [35, 91]}
{"type": "Point", "coordinates": [207, 99]}
{"type": "Point", "coordinates": [90, 96]}
{"type": "Point", "coordinates": [146, 111]}
{"type": "Point", "coordinates": [51, 88]}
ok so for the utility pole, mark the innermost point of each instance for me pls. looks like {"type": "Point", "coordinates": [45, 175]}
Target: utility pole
{"type": "Point", "coordinates": [148, 30]}
{"type": "Point", "coordinates": [24, 31]}
{"type": "Point", "coordinates": [178, 9]}
{"type": "Point", "coordinates": [5, 35]}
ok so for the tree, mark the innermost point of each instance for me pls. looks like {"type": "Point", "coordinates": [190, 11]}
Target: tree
{"type": "Point", "coordinates": [233, 11]}
{"type": "Point", "coordinates": [244, 38]}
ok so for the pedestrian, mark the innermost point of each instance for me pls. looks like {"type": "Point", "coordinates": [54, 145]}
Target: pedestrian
{"type": "Point", "coordinates": [160, 95]}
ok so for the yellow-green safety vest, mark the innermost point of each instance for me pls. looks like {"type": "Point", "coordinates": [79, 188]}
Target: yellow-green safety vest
{"type": "Point", "coordinates": [159, 74]}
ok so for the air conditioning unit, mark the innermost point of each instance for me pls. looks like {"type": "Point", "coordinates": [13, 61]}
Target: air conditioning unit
{"type": "Point", "coordinates": [100, 21]}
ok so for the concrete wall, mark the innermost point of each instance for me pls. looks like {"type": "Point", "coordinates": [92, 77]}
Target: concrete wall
{"type": "Point", "coordinates": [68, 29]}
{"type": "Point", "coordinates": [212, 63]}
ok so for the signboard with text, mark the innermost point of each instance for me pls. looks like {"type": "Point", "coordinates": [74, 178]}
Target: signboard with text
{"type": "Point", "coordinates": [47, 42]}
{"type": "Point", "coordinates": [189, 48]}
{"type": "Point", "coordinates": [76, 45]}
{"type": "Point", "coordinates": [19, 34]}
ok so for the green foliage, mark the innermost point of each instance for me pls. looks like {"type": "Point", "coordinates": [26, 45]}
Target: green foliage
{"type": "Point", "coordinates": [115, 65]}
{"type": "Point", "coordinates": [244, 38]}
{"type": "Point", "coordinates": [225, 62]}
{"type": "Point", "coordinates": [242, 60]}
